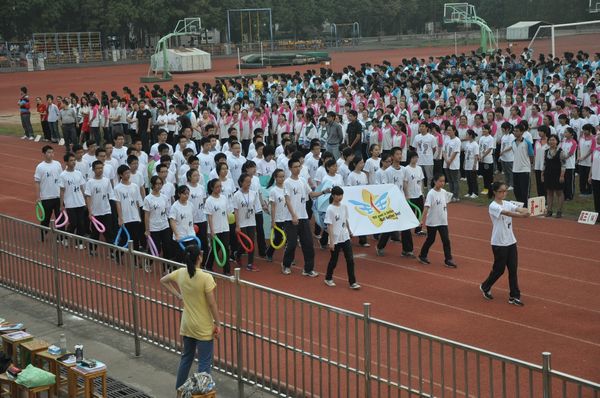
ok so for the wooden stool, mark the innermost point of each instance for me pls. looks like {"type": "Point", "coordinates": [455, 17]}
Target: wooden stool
{"type": "Point", "coordinates": [29, 350]}
{"type": "Point", "coordinates": [45, 360]}
{"type": "Point", "coordinates": [8, 388]}
{"type": "Point", "coordinates": [212, 394]}
{"type": "Point", "coordinates": [34, 391]}
{"type": "Point", "coordinates": [88, 382]}
{"type": "Point", "coordinates": [11, 342]}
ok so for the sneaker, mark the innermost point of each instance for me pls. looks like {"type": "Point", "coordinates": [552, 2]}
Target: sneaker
{"type": "Point", "coordinates": [408, 254]}
{"type": "Point", "coordinates": [467, 195]}
{"type": "Point", "coordinates": [252, 268]}
{"type": "Point", "coordinates": [450, 264]}
{"type": "Point", "coordinates": [65, 243]}
{"type": "Point", "coordinates": [364, 244]}
{"type": "Point", "coordinates": [484, 192]}
{"type": "Point", "coordinates": [80, 246]}
{"type": "Point", "coordinates": [486, 294]}
{"type": "Point", "coordinates": [329, 282]}
{"type": "Point", "coordinates": [24, 137]}
{"type": "Point", "coordinates": [317, 236]}
{"type": "Point", "coordinates": [31, 138]}
{"type": "Point", "coordinates": [510, 188]}
{"type": "Point", "coordinates": [285, 270]}
{"type": "Point", "coordinates": [421, 233]}
{"type": "Point", "coordinates": [474, 196]}
{"type": "Point", "coordinates": [147, 265]}
{"type": "Point", "coordinates": [379, 252]}
{"type": "Point", "coordinates": [463, 178]}
{"type": "Point", "coordinates": [355, 286]}
{"type": "Point", "coordinates": [312, 274]}
{"type": "Point", "coordinates": [516, 301]}
{"type": "Point", "coordinates": [269, 258]}
{"type": "Point", "coordinates": [423, 260]}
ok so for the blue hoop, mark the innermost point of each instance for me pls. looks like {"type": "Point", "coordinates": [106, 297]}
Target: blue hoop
{"type": "Point", "coordinates": [188, 238]}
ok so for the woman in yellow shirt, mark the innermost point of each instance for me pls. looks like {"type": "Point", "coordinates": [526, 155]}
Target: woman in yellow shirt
{"type": "Point", "coordinates": [200, 318]}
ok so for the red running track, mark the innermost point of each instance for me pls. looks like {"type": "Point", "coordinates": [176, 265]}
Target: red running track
{"type": "Point", "coordinates": [559, 264]}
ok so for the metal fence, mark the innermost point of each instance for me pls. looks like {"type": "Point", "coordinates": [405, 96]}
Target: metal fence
{"type": "Point", "coordinates": [285, 344]}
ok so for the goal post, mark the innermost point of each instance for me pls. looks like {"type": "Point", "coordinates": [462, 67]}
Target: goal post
{"type": "Point", "coordinates": [249, 25]}
{"type": "Point", "coordinates": [553, 39]}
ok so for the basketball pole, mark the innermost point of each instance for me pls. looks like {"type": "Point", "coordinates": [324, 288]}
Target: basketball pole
{"type": "Point", "coordinates": [455, 44]}
{"type": "Point", "coordinates": [239, 64]}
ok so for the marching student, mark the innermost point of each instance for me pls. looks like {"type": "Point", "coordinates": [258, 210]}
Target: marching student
{"type": "Point", "coordinates": [471, 163]}
{"type": "Point", "coordinates": [72, 185]}
{"type": "Point", "coordinates": [217, 209]}
{"type": "Point", "coordinates": [426, 146]}
{"type": "Point", "coordinates": [156, 209]}
{"type": "Point", "coordinates": [487, 144]}
{"type": "Point", "coordinates": [279, 211]}
{"type": "Point", "coordinates": [435, 218]}
{"type": "Point", "coordinates": [128, 202]}
{"type": "Point", "coordinates": [504, 243]}
{"type": "Point", "coordinates": [373, 163]}
{"type": "Point", "coordinates": [47, 189]}
{"type": "Point", "coordinates": [250, 168]}
{"type": "Point", "coordinates": [336, 219]}
{"type": "Point", "coordinates": [98, 194]}
{"type": "Point", "coordinates": [181, 219]}
{"type": "Point", "coordinates": [245, 202]}
{"type": "Point", "coordinates": [451, 154]}
{"type": "Point", "coordinates": [297, 226]}
{"type": "Point", "coordinates": [266, 166]}
{"type": "Point", "coordinates": [358, 177]}
{"type": "Point", "coordinates": [413, 182]}
{"type": "Point", "coordinates": [168, 188]}
{"type": "Point", "coordinates": [195, 183]}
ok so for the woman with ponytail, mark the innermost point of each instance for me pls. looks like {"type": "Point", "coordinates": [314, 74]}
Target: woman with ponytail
{"type": "Point", "coordinates": [200, 319]}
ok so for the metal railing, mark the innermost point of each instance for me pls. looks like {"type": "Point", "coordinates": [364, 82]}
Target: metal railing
{"type": "Point", "coordinates": [284, 344]}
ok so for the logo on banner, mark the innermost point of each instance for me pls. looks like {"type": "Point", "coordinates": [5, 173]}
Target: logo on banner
{"type": "Point", "coordinates": [376, 207]}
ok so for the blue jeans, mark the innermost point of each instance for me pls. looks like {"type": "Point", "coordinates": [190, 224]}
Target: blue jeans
{"type": "Point", "coordinates": [205, 355]}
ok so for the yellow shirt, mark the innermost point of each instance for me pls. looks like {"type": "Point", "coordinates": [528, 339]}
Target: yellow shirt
{"type": "Point", "coordinates": [196, 321]}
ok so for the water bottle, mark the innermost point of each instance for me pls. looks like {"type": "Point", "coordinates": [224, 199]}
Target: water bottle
{"type": "Point", "coordinates": [79, 353]}
{"type": "Point", "coordinates": [63, 344]}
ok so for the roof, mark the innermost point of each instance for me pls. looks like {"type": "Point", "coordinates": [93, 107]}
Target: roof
{"type": "Point", "coordinates": [525, 24]}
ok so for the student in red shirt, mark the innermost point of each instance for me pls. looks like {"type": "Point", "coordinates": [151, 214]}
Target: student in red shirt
{"type": "Point", "coordinates": [42, 109]}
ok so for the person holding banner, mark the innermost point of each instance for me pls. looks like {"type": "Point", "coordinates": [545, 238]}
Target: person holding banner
{"type": "Point", "coordinates": [47, 190]}
{"type": "Point", "coordinates": [553, 175]}
{"type": "Point", "coordinates": [72, 184]}
{"type": "Point", "coordinates": [98, 193]}
{"type": "Point", "coordinates": [217, 209]}
{"type": "Point", "coordinates": [156, 208]}
{"type": "Point", "coordinates": [435, 217]}
{"type": "Point", "coordinates": [181, 219]}
{"type": "Point", "coordinates": [279, 211]}
{"type": "Point", "coordinates": [297, 191]}
{"type": "Point", "coordinates": [245, 202]}
{"type": "Point", "coordinates": [336, 219]}
{"type": "Point", "coordinates": [504, 243]}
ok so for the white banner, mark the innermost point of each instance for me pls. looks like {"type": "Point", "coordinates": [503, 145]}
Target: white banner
{"type": "Point", "coordinates": [375, 209]}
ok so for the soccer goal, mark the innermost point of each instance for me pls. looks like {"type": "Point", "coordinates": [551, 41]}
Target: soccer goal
{"type": "Point", "coordinates": [568, 37]}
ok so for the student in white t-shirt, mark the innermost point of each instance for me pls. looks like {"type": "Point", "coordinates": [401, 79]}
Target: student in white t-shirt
{"type": "Point", "coordinates": [471, 164]}
{"type": "Point", "coordinates": [217, 209]}
{"type": "Point", "coordinates": [156, 210]}
{"type": "Point", "coordinates": [413, 184]}
{"type": "Point", "coordinates": [451, 154]}
{"type": "Point", "coordinates": [181, 220]}
{"type": "Point", "coordinates": [245, 202]}
{"type": "Point", "coordinates": [168, 189]}
{"type": "Point", "coordinates": [487, 145]}
{"type": "Point", "coordinates": [279, 211]}
{"type": "Point", "coordinates": [129, 201]}
{"type": "Point", "coordinates": [155, 149]}
{"type": "Point", "coordinates": [358, 177]}
{"type": "Point", "coordinates": [336, 219]}
{"type": "Point", "coordinates": [195, 183]}
{"type": "Point", "coordinates": [373, 163]}
{"type": "Point", "coordinates": [435, 218]}
{"type": "Point", "coordinates": [47, 189]}
{"type": "Point", "coordinates": [426, 146]}
{"type": "Point", "coordinates": [98, 194]}
{"type": "Point", "coordinates": [506, 154]}
{"type": "Point", "coordinates": [504, 243]}
{"type": "Point", "coordinates": [72, 185]}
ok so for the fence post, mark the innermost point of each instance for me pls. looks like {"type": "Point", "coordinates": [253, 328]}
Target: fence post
{"type": "Point", "coordinates": [134, 305]}
{"type": "Point", "coordinates": [546, 376]}
{"type": "Point", "coordinates": [57, 293]}
{"type": "Point", "coordinates": [238, 334]}
{"type": "Point", "coordinates": [367, 322]}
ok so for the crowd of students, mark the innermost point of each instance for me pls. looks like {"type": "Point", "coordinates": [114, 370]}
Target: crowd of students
{"type": "Point", "coordinates": [170, 163]}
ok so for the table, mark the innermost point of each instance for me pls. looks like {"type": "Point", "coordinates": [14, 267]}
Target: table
{"type": "Point", "coordinates": [29, 349]}
{"type": "Point", "coordinates": [10, 345]}
{"type": "Point", "coordinates": [42, 358]}
{"type": "Point", "coordinates": [88, 382]}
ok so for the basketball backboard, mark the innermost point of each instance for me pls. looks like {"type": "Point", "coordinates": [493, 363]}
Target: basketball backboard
{"type": "Point", "coordinates": [458, 12]}
{"type": "Point", "coordinates": [594, 6]}
{"type": "Point", "coordinates": [189, 26]}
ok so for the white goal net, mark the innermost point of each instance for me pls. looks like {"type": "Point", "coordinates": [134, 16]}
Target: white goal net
{"type": "Point", "coordinates": [571, 37]}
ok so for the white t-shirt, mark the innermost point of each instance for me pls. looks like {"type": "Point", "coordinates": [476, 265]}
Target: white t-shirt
{"type": "Point", "coordinates": [502, 232]}
{"type": "Point", "coordinates": [336, 180]}
{"type": "Point", "coordinates": [277, 196]}
{"type": "Point", "coordinates": [298, 192]}
{"type": "Point", "coordinates": [394, 176]}
{"type": "Point", "coordinates": [158, 207]}
{"type": "Point", "coordinates": [72, 182]}
{"type": "Point", "coordinates": [100, 191]}
{"type": "Point", "coordinates": [84, 168]}
{"type": "Point", "coordinates": [471, 151]}
{"type": "Point", "coordinates": [595, 172]}
{"type": "Point", "coordinates": [336, 218]}
{"type": "Point", "coordinates": [265, 168]}
{"type": "Point", "coordinates": [131, 200]}
{"type": "Point", "coordinates": [207, 162]}
{"type": "Point", "coordinates": [217, 208]}
{"type": "Point", "coordinates": [413, 178]}
{"type": "Point", "coordinates": [47, 174]}
{"type": "Point", "coordinates": [438, 208]}
{"type": "Point", "coordinates": [425, 144]}
{"type": "Point", "coordinates": [505, 143]}
{"type": "Point", "coordinates": [486, 142]}
{"type": "Point", "coordinates": [371, 167]}
{"type": "Point", "coordinates": [356, 179]}
{"type": "Point", "coordinates": [235, 166]}
{"type": "Point", "coordinates": [184, 219]}
{"type": "Point", "coordinates": [120, 154]}
{"type": "Point", "coordinates": [197, 198]}
{"type": "Point", "coordinates": [245, 204]}
{"type": "Point", "coordinates": [154, 150]}
{"type": "Point", "coordinates": [585, 146]}
{"type": "Point", "coordinates": [168, 191]}
{"type": "Point", "coordinates": [452, 146]}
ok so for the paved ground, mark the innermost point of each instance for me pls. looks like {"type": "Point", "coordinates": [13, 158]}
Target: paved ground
{"type": "Point", "coordinates": [152, 373]}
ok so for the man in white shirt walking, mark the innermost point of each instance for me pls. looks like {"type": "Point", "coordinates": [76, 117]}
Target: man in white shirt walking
{"type": "Point", "coordinates": [47, 190]}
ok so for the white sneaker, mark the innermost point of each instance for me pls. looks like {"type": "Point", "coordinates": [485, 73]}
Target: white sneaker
{"type": "Point", "coordinates": [474, 196]}
{"type": "Point", "coordinates": [355, 286]}
{"type": "Point", "coordinates": [312, 274]}
{"type": "Point", "coordinates": [31, 138]}
{"type": "Point", "coordinates": [24, 137]}
{"type": "Point", "coordinates": [466, 195]}
{"type": "Point", "coordinates": [329, 282]}
{"type": "Point", "coordinates": [65, 243]}
{"type": "Point", "coordinates": [285, 271]}
{"type": "Point", "coordinates": [463, 179]}
{"type": "Point", "coordinates": [510, 188]}
{"type": "Point", "coordinates": [80, 246]}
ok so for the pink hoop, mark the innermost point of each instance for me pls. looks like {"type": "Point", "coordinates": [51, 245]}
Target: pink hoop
{"type": "Point", "coordinates": [98, 225]}
{"type": "Point", "coordinates": [152, 246]}
{"type": "Point", "coordinates": [62, 216]}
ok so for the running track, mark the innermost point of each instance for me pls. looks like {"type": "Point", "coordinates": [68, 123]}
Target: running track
{"type": "Point", "coordinates": [559, 278]}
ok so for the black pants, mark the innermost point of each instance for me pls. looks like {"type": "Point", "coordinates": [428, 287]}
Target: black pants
{"type": "Point", "coordinates": [164, 242]}
{"type": "Point", "coordinates": [50, 206]}
{"type": "Point", "coordinates": [77, 220]}
{"type": "Point", "coordinates": [245, 147]}
{"type": "Point", "coordinates": [203, 236]}
{"type": "Point", "coordinates": [438, 166]}
{"type": "Point", "coordinates": [277, 237]}
{"type": "Point", "coordinates": [596, 190]}
{"type": "Point", "coordinates": [106, 220]}
{"type": "Point", "coordinates": [46, 130]}
{"type": "Point", "coordinates": [302, 231]}
{"type": "Point", "coordinates": [504, 257]}
{"type": "Point", "coordinates": [260, 234]}
{"type": "Point", "coordinates": [541, 189]}
{"type": "Point", "coordinates": [251, 232]}
{"type": "Point", "coordinates": [309, 211]}
{"type": "Point", "coordinates": [346, 247]}
{"type": "Point", "coordinates": [420, 202]}
{"type": "Point", "coordinates": [224, 237]}
{"type": "Point", "coordinates": [487, 172]}
{"type": "Point", "coordinates": [70, 135]}
{"type": "Point", "coordinates": [431, 231]}
{"type": "Point", "coordinates": [569, 188]}
{"type": "Point", "coordinates": [135, 231]}
{"type": "Point", "coordinates": [463, 173]}
{"type": "Point", "coordinates": [521, 185]}
{"type": "Point", "coordinates": [95, 134]}
{"type": "Point", "coordinates": [584, 186]}
{"type": "Point", "coordinates": [406, 237]}
{"type": "Point", "coordinates": [472, 183]}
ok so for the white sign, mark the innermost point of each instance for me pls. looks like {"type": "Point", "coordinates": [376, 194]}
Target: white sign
{"type": "Point", "coordinates": [375, 209]}
{"type": "Point", "coordinates": [537, 206]}
{"type": "Point", "coordinates": [588, 217]}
